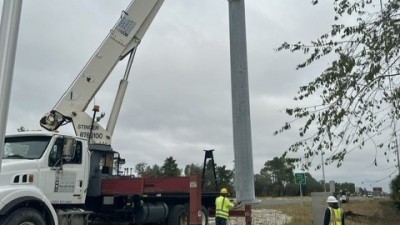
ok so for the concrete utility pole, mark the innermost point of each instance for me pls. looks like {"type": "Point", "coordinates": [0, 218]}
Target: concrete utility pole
{"type": "Point", "coordinates": [244, 176]}
{"type": "Point", "coordinates": [323, 170]}
{"type": "Point", "coordinates": [8, 44]}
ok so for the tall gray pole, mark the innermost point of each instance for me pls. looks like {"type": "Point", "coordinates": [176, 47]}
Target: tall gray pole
{"type": "Point", "coordinates": [8, 44]}
{"type": "Point", "coordinates": [397, 153]}
{"type": "Point", "coordinates": [323, 171]}
{"type": "Point", "coordinates": [244, 176]}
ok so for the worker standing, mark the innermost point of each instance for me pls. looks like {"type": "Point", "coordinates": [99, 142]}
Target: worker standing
{"type": "Point", "coordinates": [333, 214]}
{"type": "Point", "coordinates": [222, 207]}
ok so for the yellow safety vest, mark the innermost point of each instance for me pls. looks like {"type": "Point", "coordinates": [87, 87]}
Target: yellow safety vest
{"type": "Point", "coordinates": [222, 207]}
{"type": "Point", "coordinates": [336, 216]}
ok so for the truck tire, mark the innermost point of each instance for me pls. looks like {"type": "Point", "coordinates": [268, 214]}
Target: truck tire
{"type": "Point", "coordinates": [24, 216]}
{"type": "Point", "coordinates": [204, 216]}
{"type": "Point", "coordinates": [179, 215]}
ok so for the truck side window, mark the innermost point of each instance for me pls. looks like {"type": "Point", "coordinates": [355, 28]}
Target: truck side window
{"type": "Point", "coordinates": [56, 153]}
{"type": "Point", "coordinates": [78, 154]}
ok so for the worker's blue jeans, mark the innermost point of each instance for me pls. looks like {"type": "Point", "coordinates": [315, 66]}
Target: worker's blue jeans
{"type": "Point", "coordinates": [220, 221]}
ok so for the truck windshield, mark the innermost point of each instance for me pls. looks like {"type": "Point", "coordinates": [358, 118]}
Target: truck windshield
{"type": "Point", "coordinates": [27, 147]}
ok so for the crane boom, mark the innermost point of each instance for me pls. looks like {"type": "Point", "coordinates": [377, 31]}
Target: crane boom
{"type": "Point", "coordinates": [122, 40]}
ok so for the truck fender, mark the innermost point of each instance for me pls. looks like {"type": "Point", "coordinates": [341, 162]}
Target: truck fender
{"type": "Point", "coordinates": [12, 197]}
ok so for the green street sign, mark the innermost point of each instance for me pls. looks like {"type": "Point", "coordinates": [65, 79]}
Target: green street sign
{"type": "Point", "coordinates": [300, 178]}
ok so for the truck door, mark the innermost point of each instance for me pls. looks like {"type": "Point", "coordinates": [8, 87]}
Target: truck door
{"type": "Point", "coordinates": [66, 178]}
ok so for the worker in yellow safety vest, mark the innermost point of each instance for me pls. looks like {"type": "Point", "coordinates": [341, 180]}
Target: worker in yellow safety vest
{"type": "Point", "coordinates": [333, 214]}
{"type": "Point", "coordinates": [222, 207]}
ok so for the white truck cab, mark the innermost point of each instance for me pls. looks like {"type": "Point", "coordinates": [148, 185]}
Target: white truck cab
{"type": "Point", "coordinates": [44, 168]}
{"type": "Point", "coordinates": [39, 159]}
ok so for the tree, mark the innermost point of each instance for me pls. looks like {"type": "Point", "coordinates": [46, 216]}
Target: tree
{"type": "Point", "coordinates": [144, 170]}
{"type": "Point", "coordinates": [279, 169]}
{"type": "Point", "coordinates": [293, 189]}
{"type": "Point", "coordinates": [359, 91]}
{"type": "Point", "coordinates": [395, 191]}
{"type": "Point", "coordinates": [193, 169]}
{"type": "Point", "coordinates": [140, 169]}
{"type": "Point", "coordinates": [224, 177]}
{"type": "Point", "coordinates": [280, 172]}
{"type": "Point", "coordinates": [260, 185]}
{"type": "Point", "coordinates": [346, 187]}
{"type": "Point", "coordinates": [311, 185]}
{"type": "Point", "coordinates": [170, 168]}
{"type": "Point", "coordinates": [154, 171]}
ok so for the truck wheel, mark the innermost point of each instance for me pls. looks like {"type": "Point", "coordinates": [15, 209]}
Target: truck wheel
{"type": "Point", "coordinates": [24, 216]}
{"type": "Point", "coordinates": [204, 216]}
{"type": "Point", "coordinates": [178, 215]}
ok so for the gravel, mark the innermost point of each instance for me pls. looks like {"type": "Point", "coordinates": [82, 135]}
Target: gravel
{"type": "Point", "coordinates": [260, 217]}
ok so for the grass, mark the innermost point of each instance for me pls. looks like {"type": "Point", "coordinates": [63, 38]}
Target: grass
{"type": "Point", "coordinates": [379, 211]}
{"type": "Point", "coordinates": [376, 211]}
{"type": "Point", "coordinates": [301, 214]}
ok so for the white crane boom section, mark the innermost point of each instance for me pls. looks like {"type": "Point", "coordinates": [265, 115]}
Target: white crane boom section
{"type": "Point", "coordinates": [123, 39]}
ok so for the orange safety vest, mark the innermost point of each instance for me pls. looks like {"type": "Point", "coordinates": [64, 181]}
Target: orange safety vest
{"type": "Point", "coordinates": [222, 207]}
{"type": "Point", "coordinates": [336, 216]}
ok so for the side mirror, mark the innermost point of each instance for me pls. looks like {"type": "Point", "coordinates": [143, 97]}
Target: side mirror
{"type": "Point", "coordinates": [69, 149]}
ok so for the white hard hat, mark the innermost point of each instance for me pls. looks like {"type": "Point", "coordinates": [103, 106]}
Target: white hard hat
{"type": "Point", "coordinates": [331, 199]}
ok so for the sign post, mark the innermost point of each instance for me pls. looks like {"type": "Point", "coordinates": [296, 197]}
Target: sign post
{"type": "Point", "coordinates": [300, 178]}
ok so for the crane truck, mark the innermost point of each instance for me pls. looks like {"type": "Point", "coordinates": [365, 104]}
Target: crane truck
{"type": "Point", "coordinates": [51, 178]}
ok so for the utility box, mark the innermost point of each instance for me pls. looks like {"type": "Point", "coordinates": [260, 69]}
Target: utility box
{"type": "Point", "coordinates": [319, 205]}
{"type": "Point", "coordinates": [332, 186]}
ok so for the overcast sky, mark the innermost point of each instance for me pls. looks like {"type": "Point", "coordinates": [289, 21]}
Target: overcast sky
{"type": "Point", "coordinates": [178, 102]}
